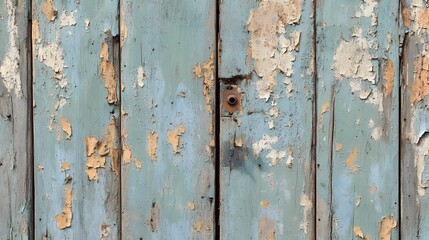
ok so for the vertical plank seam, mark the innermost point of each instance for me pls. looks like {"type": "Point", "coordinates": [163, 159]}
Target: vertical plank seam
{"type": "Point", "coordinates": [30, 112]}
{"type": "Point", "coordinates": [119, 57]}
{"type": "Point", "coordinates": [400, 51]}
{"type": "Point", "coordinates": [331, 159]}
{"type": "Point", "coordinates": [314, 110]}
{"type": "Point", "coordinates": [217, 123]}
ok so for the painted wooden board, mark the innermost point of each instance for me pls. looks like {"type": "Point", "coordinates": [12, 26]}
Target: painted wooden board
{"type": "Point", "coordinates": [414, 120]}
{"type": "Point", "coordinates": [15, 123]}
{"type": "Point", "coordinates": [357, 127]}
{"type": "Point", "coordinates": [76, 121]}
{"type": "Point", "coordinates": [266, 162]}
{"type": "Point", "coordinates": [168, 71]}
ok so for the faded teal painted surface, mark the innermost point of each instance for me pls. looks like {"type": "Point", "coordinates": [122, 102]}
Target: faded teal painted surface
{"type": "Point", "coordinates": [266, 166]}
{"type": "Point", "coordinates": [69, 64]}
{"type": "Point", "coordinates": [15, 122]}
{"type": "Point", "coordinates": [310, 149]}
{"type": "Point", "coordinates": [168, 119]}
{"type": "Point", "coordinates": [357, 110]}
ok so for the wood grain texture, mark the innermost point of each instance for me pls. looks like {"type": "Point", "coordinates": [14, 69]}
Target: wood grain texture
{"type": "Point", "coordinates": [168, 70]}
{"type": "Point", "coordinates": [76, 119]}
{"type": "Point", "coordinates": [15, 123]}
{"type": "Point", "coordinates": [414, 120]}
{"type": "Point", "coordinates": [357, 110]}
{"type": "Point", "coordinates": [266, 171]}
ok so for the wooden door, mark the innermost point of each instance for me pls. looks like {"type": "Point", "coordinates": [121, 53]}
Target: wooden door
{"type": "Point", "coordinates": [229, 119]}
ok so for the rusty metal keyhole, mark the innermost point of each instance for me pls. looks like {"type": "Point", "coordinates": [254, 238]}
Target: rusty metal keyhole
{"type": "Point", "coordinates": [232, 100]}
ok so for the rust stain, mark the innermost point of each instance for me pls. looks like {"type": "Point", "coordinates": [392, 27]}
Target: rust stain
{"type": "Point", "coordinates": [65, 166]}
{"type": "Point", "coordinates": [49, 10]}
{"type": "Point", "coordinates": [65, 218]}
{"type": "Point", "coordinates": [420, 86]}
{"type": "Point", "coordinates": [350, 162]}
{"type": "Point", "coordinates": [67, 128]}
{"type": "Point", "coordinates": [268, 25]}
{"type": "Point", "coordinates": [154, 217]}
{"type": "Point", "coordinates": [386, 226]}
{"type": "Point", "coordinates": [388, 76]}
{"type": "Point", "coordinates": [108, 73]}
{"type": "Point", "coordinates": [174, 137]}
{"type": "Point", "coordinates": [152, 145]}
{"type": "Point", "coordinates": [205, 71]}
{"type": "Point", "coordinates": [406, 16]}
{"type": "Point", "coordinates": [264, 204]}
{"type": "Point", "coordinates": [266, 229]}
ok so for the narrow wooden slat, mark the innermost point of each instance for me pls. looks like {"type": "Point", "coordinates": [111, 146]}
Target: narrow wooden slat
{"type": "Point", "coordinates": [414, 120]}
{"type": "Point", "coordinates": [15, 123]}
{"type": "Point", "coordinates": [357, 110]}
{"type": "Point", "coordinates": [266, 171]}
{"type": "Point", "coordinates": [168, 70]}
{"type": "Point", "coordinates": [76, 119]}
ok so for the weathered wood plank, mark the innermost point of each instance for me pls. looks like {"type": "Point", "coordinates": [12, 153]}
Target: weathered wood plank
{"type": "Point", "coordinates": [267, 172]}
{"type": "Point", "coordinates": [414, 120]}
{"type": "Point", "coordinates": [168, 70]}
{"type": "Point", "coordinates": [15, 123]}
{"type": "Point", "coordinates": [357, 109]}
{"type": "Point", "coordinates": [76, 119]}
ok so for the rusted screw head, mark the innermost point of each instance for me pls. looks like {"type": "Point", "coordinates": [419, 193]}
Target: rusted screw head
{"type": "Point", "coordinates": [232, 100]}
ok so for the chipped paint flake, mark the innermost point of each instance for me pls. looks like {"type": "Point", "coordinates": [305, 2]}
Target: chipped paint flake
{"type": "Point", "coordinates": [358, 232]}
{"type": "Point", "coordinates": [269, 48]}
{"type": "Point", "coordinates": [377, 133]}
{"type": "Point", "coordinates": [191, 205]}
{"type": "Point", "coordinates": [198, 225]}
{"type": "Point", "coordinates": [141, 76]}
{"type": "Point", "coordinates": [66, 126]}
{"type": "Point", "coordinates": [266, 229]}
{"type": "Point", "coordinates": [420, 158]}
{"type": "Point", "coordinates": [67, 20]}
{"type": "Point", "coordinates": [124, 30]}
{"type": "Point", "coordinates": [325, 107]}
{"type": "Point", "coordinates": [205, 71]}
{"type": "Point", "coordinates": [275, 156]}
{"type": "Point", "coordinates": [264, 204]}
{"type": "Point", "coordinates": [152, 140]}
{"type": "Point", "coordinates": [307, 205]}
{"type": "Point", "coordinates": [49, 10]}
{"type": "Point", "coordinates": [64, 219]}
{"type": "Point", "coordinates": [353, 60]}
{"type": "Point", "coordinates": [97, 151]}
{"type": "Point", "coordinates": [174, 137]}
{"type": "Point", "coordinates": [420, 87]}
{"type": "Point", "coordinates": [389, 74]}
{"type": "Point", "coordinates": [65, 166]}
{"type": "Point", "coordinates": [265, 143]}
{"type": "Point", "coordinates": [52, 55]}
{"type": "Point", "coordinates": [338, 147]}
{"type": "Point", "coordinates": [87, 23]}
{"type": "Point", "coordinates": [105, 232]}
{"type": "Point", "coordinates": [9, 68]}
{"type": "Point", "coordinates": [350, 162]}
{"type": "Point", "coordinates": [386, 226]}
{"type": "Point", "coordinates": [108, 73]}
